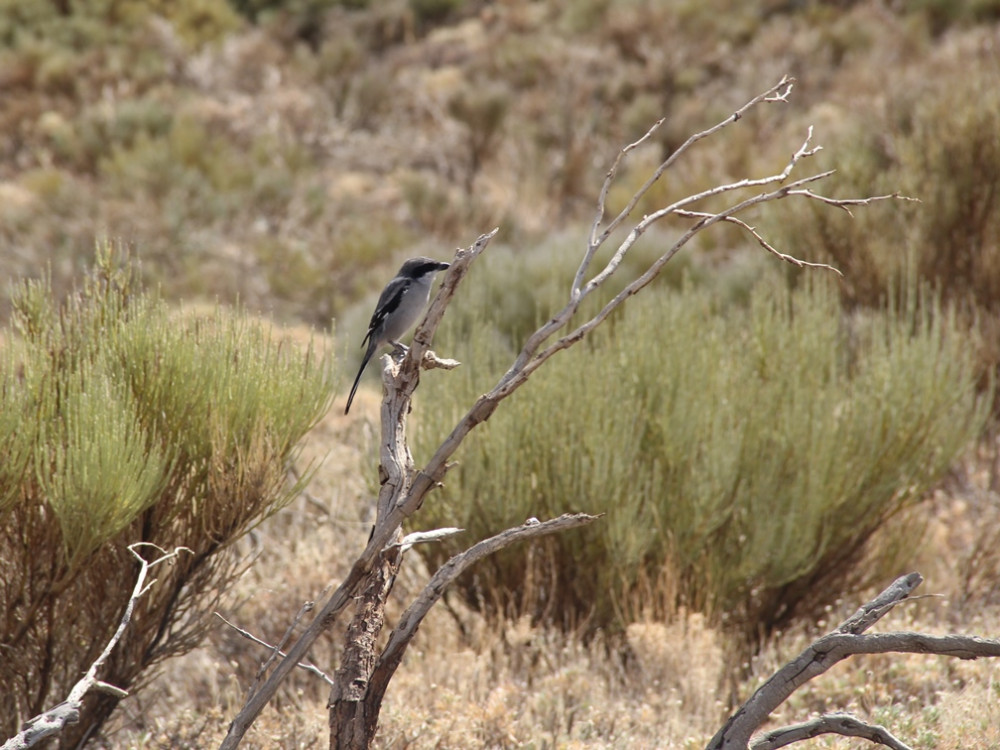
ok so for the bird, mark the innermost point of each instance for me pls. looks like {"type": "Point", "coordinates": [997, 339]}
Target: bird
{"type": "Point", "coordinates": [398, 308]}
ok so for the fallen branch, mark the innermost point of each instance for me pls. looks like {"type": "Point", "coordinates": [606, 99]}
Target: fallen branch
{"type": "Point", "coordinates": [839, 723]}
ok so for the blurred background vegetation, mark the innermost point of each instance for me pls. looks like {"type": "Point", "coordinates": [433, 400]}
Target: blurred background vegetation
{"type": "Point", "coordinates": [288, 152]}
{"type": "Point", "coordinates": [763, 440]}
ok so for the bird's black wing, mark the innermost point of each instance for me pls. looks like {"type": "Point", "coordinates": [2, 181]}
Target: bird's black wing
{"type": "Point", "coordinates": [388, 302]}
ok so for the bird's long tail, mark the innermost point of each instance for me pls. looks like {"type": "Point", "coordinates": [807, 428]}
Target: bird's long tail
{"type": "Point", "coordinates": [364, 363]}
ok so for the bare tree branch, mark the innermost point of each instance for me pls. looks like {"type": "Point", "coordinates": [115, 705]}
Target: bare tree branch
{"type": "Point", "coordinates": [846, 203]}
{"type": "Point", "coordinates": [352, 723]}
{"type": "Point", "coordinates": [848, 639]}
{"type": "Point", "coordinates": [275, 650]}
{"type": "Point", "coordinates": [339, 599]}
{"type": "Point", "coordinates": [763, 243]}
{"type": "Point", "coordinates": [871, 612]}
{"type": "Point", "coordinates": [451, 570]}
{"type": "Point", "coordinates": [838, 723]}
{"type": "Point", "coordinates": [777, 93]}
{"type": "Point", "coordinates": [68, 712]}
{"type": "Point", "coordinates": [404, 487]}
{"type": "Point", "coordinates": [423, 537]}
{"type": "Point", "coordinates": [400, 639]}
{"type": "Point", "coordinates": [390, 515]}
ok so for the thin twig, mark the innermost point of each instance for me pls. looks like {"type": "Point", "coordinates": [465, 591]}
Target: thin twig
{"type": "Point", "coordinates": [844, 203]}
{"type": "Point", "coordinates": [305, 608]}
{"type": "Point", "coordinates": [763, 243]}
{"type": "Point", "coordinates": [275, 650]}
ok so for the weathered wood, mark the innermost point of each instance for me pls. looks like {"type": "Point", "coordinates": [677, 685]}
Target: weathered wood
{"type": "Point", "coordinates": [848, 639]}
{"type": "Point", "coordinates": [352, 722]}
{"type": "Point", "coordinates": [54, 720]}
{"type": "Point", "coordinates": [839, 723]}
{"type": "Point", "coordinates": [410, 621]}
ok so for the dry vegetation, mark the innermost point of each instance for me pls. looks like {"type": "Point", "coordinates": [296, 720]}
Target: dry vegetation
{"type": "Point", "coordinates": [290, 163]}
{"type": "Point", "coordinates": [666, 684]}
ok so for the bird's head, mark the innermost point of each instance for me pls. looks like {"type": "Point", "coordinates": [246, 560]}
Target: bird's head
{"type": "Point", "coordinates": [418, 268]}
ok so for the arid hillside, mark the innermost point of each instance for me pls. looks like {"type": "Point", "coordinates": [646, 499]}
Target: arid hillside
{"type": "Point", "coordinates": [281, 157]}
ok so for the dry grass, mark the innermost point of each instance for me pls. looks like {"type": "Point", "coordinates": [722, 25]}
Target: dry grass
{"type": "Point", "coordinates": [467, 683]}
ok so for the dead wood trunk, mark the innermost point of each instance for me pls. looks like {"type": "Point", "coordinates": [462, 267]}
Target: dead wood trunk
{"type": "Point", "coordinates": [353, 719]}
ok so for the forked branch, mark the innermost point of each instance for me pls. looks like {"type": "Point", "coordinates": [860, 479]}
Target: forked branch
{"type": "Point", "coordinates": [56, 718]}
{"type": "Point", "coordinates": [410, 621]}
{"type": "Point", "coordinates": [848, 639]}
{"type": "Point", "coordinates": [403, 486]}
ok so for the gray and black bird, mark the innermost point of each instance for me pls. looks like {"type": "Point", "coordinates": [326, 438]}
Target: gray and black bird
{"type": "Point", "coordinates": [399, 306]}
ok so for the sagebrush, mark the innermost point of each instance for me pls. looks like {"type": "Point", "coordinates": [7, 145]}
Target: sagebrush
{"type": "Point", "coordinates": [124, 422]}
{"type": "Point", "coordinates": [745, 456]}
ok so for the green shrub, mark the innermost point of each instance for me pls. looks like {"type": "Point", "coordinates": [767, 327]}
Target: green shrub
{"type": "Point", "coordinates": [748, 459]}
{"type": "Point", "coordinates": [943, 14]}
{"type": "Point", "coordinates": [304, 12]}
{"type": "Point", "coordinates": [482, 111]}
{"type": "Point", "coordinates": [86, 23]}
{"type": "Point", "coordinates": [434, 11]}
{"type": "Point", "coordinates": [123, 422]}
{"type": "Point", "coordinates": [939, 141]}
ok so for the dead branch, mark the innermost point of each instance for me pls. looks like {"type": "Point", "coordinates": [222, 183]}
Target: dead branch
{"type": "Point", "coordinates": [838, 723]}
{"type": "Point", "coordinates": [848, 639]}
{"type": "Point", "coordinates": [339, 599]}
{"type": "Point", "coordinates": [276, 651]}
{"type": "Point", "coordinates": [423, 537]}
{"type": "Point", "coordinates": [410, 621]}
{"type": "Point", "coordinates": [352, 725]}
{"type": "Point", "coordinates": [68, 712]}
{"type": "Point", "coordinates": [777, 93]}
{"type": "Point", "coordinates": [400, 381]}
{"type": "Point", "coordinates": [356, 701]}
{"type": "Point", "coordinates": [404, 487]}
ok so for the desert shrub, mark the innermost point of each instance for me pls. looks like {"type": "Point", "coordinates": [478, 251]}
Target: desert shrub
{"type": "Point", "coordinates": [122, 422]}
{"type": "Point", "coordinates": [941, 15]}
{"type": "Point", "coordinates": [302, 11]}
{"type": "Point", "coordinates": [80, 24]}
{"type": "Point", "coordinates": [482, 112]}
{"type": "Point", "coordinates": [746, 457]}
